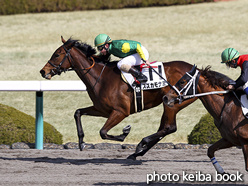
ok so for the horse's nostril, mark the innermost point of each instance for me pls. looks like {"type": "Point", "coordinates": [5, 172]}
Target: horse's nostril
{"type": "Point", "coordinates": [165, 99]}
{"type": "Point", "coordinates": [42, 73]}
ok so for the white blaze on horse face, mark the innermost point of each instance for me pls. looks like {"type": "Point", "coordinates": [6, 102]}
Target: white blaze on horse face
{"type": "Point", "coordinates": [46, 73]}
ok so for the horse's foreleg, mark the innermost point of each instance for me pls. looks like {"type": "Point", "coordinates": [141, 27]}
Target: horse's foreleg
{"type": "Point", "coordinates": [145, 145]}
{"type": "Point", "coordinates": [221, 144]}
{"type": "Point", "coordinates": [114, 118]}
{"type": "Point", "coordinates": [245, 152]}
{"type": "Point", "coordinates": [148, 142]}
{"type": "Point", "coordinates": [77, 116]}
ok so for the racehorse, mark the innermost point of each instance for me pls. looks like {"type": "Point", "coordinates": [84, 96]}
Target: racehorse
{"type": "Point", "coordinates": [113, 98]}
{"type": "Point", "coordinates": [223, 105]}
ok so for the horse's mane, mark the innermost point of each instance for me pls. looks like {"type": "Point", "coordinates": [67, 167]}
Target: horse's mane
{"type": "Point", "coordinates": [83, 47]}
{"type": "Point", "coordinates": [87, 49]}
{"type": "Point", "coordinates": [215, 79]}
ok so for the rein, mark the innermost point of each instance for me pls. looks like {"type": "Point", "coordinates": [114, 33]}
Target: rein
{"type": "Point", "coordinates": [205, 94]}
{"type": "Point", "coordinates": [93, 64]}
{"type": "Point", "coordinates": [98, 78]}
{"type": "Point", "coordinates": [174, 88]}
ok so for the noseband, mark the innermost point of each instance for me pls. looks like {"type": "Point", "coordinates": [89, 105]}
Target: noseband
{"type": "Point", "coordinates": [58, 68]}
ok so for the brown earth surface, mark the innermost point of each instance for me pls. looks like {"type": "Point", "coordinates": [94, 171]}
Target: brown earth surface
{"type": "Point", "coordinates": [110, 167]}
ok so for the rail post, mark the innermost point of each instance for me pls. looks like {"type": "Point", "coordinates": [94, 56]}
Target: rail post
{"type": "Point", "coordinates": [39, 121]}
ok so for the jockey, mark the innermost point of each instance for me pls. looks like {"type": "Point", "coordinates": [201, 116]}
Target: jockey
{"type": "Point", "coordinates": [131, 52]}
{"type": "Point", "coordinates": [233, 59]}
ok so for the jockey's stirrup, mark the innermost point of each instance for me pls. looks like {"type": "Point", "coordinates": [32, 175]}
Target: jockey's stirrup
{"type": "Point", "coordinates": [138, 75]}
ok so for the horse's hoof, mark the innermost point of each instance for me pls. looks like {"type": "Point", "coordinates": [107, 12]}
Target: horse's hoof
{"type": "Point", "coordinates": [226, 176]}
{"type": "Point", "coordinates": [126, 129]}
{"type": "Point", "coordinates": [225, 173]}
{"type": "Point", "coordinates": [82, 146]}
{"type": "Point", "coordinates": [131, 157]}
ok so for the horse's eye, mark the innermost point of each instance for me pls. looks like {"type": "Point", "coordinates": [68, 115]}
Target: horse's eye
{"type": "Point", "coordinates": [182, 82]}
{"type": "Point", "coordinates": [56, 55]}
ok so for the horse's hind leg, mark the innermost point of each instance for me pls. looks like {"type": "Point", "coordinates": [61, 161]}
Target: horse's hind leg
{"type": "Point", "coordinates": [91, 111]}
{"type": "Point", "coordinates": [114, 118]}
{"type": "Point", "coordinates": [221, 144]}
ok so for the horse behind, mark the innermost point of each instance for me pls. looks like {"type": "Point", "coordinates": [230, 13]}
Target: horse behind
{"type": "Point", "coordinates": [112, 98]}
{"type": "Point", "coordinates": [225, 109]}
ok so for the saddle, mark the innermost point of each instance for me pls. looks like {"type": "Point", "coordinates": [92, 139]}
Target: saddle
{"type": "Point", "coordinates": [154, 81]}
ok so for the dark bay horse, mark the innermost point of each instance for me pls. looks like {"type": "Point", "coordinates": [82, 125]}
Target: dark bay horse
{"type": "Point", "coordinates": [112, 98]}
{"type": "Point", "coordinates": [225, 109]}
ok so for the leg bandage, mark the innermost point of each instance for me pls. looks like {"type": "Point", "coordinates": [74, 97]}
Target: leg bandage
{"type": "Point", "coordinates": [217, 166]}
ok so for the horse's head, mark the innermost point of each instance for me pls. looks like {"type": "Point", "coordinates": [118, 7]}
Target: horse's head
{"type": "Point", "coordinates": [59, 62]}
{"type": "Point", "coordinates": [186, 85]}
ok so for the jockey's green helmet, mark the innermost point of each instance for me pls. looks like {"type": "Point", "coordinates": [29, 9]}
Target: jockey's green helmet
{"type": "Point", "coordinates": [229, 54]}
{"type": "Point", "coordinates": [102, 39]}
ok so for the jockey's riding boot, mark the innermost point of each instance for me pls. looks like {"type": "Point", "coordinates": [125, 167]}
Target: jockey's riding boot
{"type": "Point", "coordinates": [138, 75]}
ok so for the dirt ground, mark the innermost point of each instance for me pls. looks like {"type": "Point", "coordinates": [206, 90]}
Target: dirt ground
{"type": "Point", "coordinates": [110, 167]}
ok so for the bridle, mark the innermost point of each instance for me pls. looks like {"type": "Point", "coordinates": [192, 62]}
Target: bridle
{"type": "Point", "coordinates": [184, 92]}
{"type": "Point", "coordinates": [58, 68]}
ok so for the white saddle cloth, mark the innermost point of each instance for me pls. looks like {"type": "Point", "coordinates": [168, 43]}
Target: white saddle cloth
{"type": "Point", "coordinates": [154, 80]}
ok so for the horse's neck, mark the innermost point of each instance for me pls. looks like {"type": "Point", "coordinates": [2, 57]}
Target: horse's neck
{"type": "Point", "coordinates": [88, 76]}
{"type": "Point", "coordinates": [213, 102]}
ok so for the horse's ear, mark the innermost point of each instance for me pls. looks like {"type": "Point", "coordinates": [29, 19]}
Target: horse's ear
{"type": "Point", "coordinates": [62, 39]}
{"type": "Point", "coordinates": [193, 70]}
{"type": "Point", "coordinates": [195, 67]}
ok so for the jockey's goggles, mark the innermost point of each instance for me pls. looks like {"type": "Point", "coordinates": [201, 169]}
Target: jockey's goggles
{"type": "Point", "coordinates": [101, 47]}
{"type": "Point", "coordinates": [232, 62]}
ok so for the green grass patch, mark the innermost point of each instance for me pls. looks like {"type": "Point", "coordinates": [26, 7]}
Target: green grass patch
{"type": "Point", "coordinates": [16, 126]}
{"type": "Point", "coordinates": [204, 131]}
